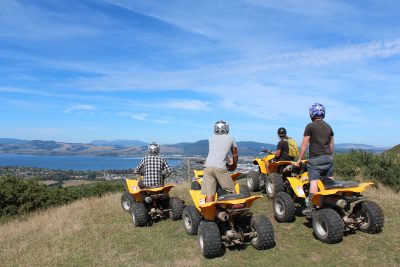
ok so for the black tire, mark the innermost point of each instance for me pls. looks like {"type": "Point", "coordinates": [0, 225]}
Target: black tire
{"type": "Point", "coordinates": [265, 237]}
{"type": "Point", "coordinates": [195, 185]}
{"type": "Point", "coordinates": [126, 201]}
{"type": "Point", "coordinates": [176, 205]}
{"type": "Point", "coordinates": [274, 184]}
{"type": "Point", "coordinates": [210, 240]}
{"type": "Point", "coordinates": [284, 208]}
{"type": "Point", "coordinates": [253, 180]}
{"type": "Point", "coordinates": [328, 226]}
{"type": "Point", "coordinates": [245, 190]}
{"type": "Point", "coordinates": [371, 216]}
{"type": "Point", "coordinates": [139, 213]}
{"type": "Point", "coordinates": [191, 219]}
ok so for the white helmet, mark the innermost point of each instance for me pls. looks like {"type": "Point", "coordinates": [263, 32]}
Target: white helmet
{"type": "Point", "coordinates": [153, 149]}
{"type": "Point", "coordinates": [221, 127]}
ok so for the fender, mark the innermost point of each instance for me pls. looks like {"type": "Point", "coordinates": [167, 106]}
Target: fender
{"type": "Point", "coordinates": [261, 165]}
{"type": "Point", "coordinates": [134, 189]}
{"type": "Point", "coordinates": [297, 186]}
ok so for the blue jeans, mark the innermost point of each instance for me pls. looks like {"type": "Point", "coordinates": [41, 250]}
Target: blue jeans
{"type": "Point", "coordinates": [320, 166]}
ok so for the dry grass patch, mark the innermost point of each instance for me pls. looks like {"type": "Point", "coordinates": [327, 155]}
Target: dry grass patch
{"type": "Point", "coordinates": [96, 232]}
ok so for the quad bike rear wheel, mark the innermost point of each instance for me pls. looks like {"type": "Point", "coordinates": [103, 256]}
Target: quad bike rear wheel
{"type": "Point", "coordinates": [284, 208]}
{"type": "Point", "coordinates": [264, 230]}
{"type": "Point", "coordinates": [139, 213]}
{"type": "Point", "coordinates": [274, 184]}
{"type": "Point", "coordinates": [126, 201]}
{"type": "Point", "coordinates": [210, 240]}
{"type": "Point", "coordinates": [195, 185]}
{"type": "Point", "coordinates": [253, 180]}
{"type": "Point", "coordinates": [370, 215]}
{"type": "Point", "coordinates": [245, 190]}
{"type": "Point", "coordinates": [328, 226]}
{"type": "Point", "coordinates": [191, 219]}
{"type": "Point", "coordinates": [176, 205]}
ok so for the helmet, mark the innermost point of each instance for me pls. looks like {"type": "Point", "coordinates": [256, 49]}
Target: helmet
{"type": "Point", "coordinates": [221, 127]}
{"type": "Point", "coordinates": [317, 110]}
{"type": "Point", "coordinates": [281, 132]}
{"type": "Point", "coordinates": [153, 148]}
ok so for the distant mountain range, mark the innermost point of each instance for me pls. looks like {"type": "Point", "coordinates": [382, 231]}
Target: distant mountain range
{"type": "Point", "coordinates": [139, 148]}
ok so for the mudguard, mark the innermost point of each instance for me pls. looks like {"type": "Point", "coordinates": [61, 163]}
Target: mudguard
{"type": "Point", "coordinates": [135, 191]}
{"type": "Point", "coordinates": [208, 210]}
{"type": "Point", "coordinates": [261, 165]}
{"type": "Point", "coordinates": [316, 198]}
{"type": "Point", "coordinates": [297, 186]}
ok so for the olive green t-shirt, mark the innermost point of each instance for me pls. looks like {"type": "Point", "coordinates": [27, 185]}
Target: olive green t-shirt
{"type": "Point", "coordinates": [320, 134]}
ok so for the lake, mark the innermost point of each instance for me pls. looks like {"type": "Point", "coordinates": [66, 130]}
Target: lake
{"type": "Point", "coordinates": [77, 163]}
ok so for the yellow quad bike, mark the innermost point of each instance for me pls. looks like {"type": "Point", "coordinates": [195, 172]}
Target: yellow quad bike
{"type": "Point", "coordinates": [150, 204]}
{"type": "Point", "coordinates": [340, 207]}
{"type": "Point", "coordinates": [227, 222]}
{"type": "Point", "coordinates": [274, 179]}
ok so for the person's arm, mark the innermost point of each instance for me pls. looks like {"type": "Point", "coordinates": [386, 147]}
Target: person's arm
{"type": "Point", "coordinates": [234, 151]}
{"type": "Point", "coordinates": [332, 144]}
{"type": "Point", "coordinates": [166, 168]}
{"type": "Point", "coordinates": [278, 150]}
{"type": "Point", "coordinates": [139, 167]}
{"type": "Point", "coordinates": [303, 148]}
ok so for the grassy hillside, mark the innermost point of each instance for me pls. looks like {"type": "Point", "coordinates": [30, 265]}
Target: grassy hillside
{"type": "Point", "coordinates": [394, 150]}
{"type": "Point", "coordinates": [96, 232]}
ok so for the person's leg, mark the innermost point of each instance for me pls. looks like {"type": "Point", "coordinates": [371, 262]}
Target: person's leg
{"type": "Point", "coordinates": [224, 180]}
{"type": "Point", "coordinates": [209, 184]}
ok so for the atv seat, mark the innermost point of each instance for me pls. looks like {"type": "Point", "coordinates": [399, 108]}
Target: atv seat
{"type": "Point", "coordinates": [151, 186]}
{"type": "Point", "coordinates": [334, 184]}
{"type": "Point", "coordinates": [230, 196]}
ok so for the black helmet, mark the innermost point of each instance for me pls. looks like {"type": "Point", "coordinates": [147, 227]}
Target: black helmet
{"type": "Point", "coordinates": [281, 132]}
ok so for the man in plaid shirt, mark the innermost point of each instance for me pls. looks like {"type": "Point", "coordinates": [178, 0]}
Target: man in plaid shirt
{"type": "Point", "coordinates": [154, 167]}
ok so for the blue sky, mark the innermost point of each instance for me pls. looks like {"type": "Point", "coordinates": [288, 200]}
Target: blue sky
{"type": "Point", "coordinates": [165, 71]}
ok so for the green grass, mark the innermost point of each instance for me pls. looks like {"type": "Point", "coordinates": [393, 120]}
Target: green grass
{"type": "Point", "coordinates": [96, 232]}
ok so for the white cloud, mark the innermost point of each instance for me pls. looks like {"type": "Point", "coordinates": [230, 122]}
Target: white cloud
{"type": "Point", "coordinates": [82, 107]}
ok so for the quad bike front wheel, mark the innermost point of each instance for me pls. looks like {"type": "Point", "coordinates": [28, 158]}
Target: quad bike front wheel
{"type": "Point", "coordinates": [264, 232]}
{"type": "Point", "coordinates": [274, 184]}
{"type": "Point", "coordinates": [176, 205]}
{"type": "Point", "coordinates": [328, 226]}
{"type": "Point", "coordinates": [370, 217]}
{"type": "Point", "coordinates": [126, 201]}
{"type": "Point", "coordinates": [253, 180]}
{"type": "Point", "coordinates": [284, 208]}
{"type": "Point", "coordinates": [191, 219]}
{"type": "Point", "coordinates": [210, 240]}
{"type": "Point", "coordinates": [139, 213]}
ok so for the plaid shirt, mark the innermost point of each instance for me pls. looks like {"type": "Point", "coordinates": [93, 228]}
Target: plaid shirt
{"type": "Point", "coordinates": [155, 169]}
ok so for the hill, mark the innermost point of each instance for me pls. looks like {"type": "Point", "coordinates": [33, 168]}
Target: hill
{"type": "Point", "coordinates": [394, 150]}
{"type": "Point", "coordinates": [96, 232]}
{"type": "Point", "coordinates": [137, 148]}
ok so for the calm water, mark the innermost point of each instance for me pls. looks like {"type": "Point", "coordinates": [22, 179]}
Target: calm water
{"type": "Point", "coordinates": [74, 162]}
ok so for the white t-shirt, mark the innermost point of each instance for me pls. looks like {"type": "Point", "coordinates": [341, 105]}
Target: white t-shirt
{"type": "Point", "coordinates": [218, 149]}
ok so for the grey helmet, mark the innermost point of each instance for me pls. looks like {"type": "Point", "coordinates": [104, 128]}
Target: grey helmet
{"type": "Point", "coordinates": [221, 127]}
{"type": "Point", "coordinates": [153, 148]}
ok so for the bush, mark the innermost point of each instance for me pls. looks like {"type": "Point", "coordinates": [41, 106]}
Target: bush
{"type": "Point", "coordinates": [382, 168]}
{"type": "Point", "coordinates": [19, 196]}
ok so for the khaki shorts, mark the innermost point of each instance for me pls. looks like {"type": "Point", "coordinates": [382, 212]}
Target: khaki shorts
{"type": "Point", "coordinates": [214, 176]}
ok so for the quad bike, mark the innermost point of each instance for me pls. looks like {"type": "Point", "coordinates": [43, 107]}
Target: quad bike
{"type": "Point", "coordinates": [227, 222]}
{"type": "Point", "coordinates": [340, 207]}
{"type": "Point", "coordinates": [274, 178]}
{"type": "Point", "coordinates": [150, 204]}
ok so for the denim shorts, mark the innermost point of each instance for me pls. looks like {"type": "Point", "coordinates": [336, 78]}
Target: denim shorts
{"type": "Point", "coordinates": [321, 166]}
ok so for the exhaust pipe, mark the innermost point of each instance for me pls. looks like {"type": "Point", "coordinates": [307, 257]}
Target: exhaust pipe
{"type": "Point", "coordinates": [223, 216]}
{"type": "Point", "coordinates": [148, 200]}
{"type": "Point", "coordinates": [287, 169]}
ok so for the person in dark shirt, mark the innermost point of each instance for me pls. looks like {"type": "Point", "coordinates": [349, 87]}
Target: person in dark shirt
{"type": "Point", "coordinates": [282, 149]}
{"type": "Point", "coordinates": [153, 167]}
{"type": "Point", "coordinates": [319, 136]}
